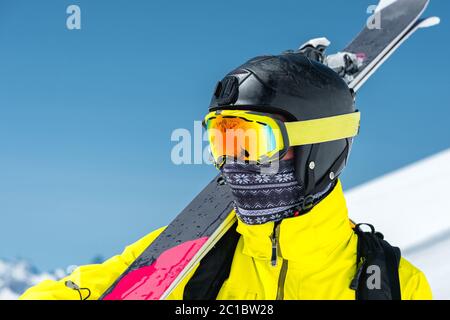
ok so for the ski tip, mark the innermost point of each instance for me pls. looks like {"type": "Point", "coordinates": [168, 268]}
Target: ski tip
{"type": "Point", "coordinates": [384, 4]}
{"type": "Point", "coordinates": [430, 22]}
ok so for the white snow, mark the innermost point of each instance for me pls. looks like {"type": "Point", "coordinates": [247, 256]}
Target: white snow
{"type": "Point", "coordinates": [8, 294]}
{"type": "Point", "coordinates": [411, 208]}
{"type": "Point", "coordinates": [18, 275]}
{"type": "Point", "coordinates": [434, 260]}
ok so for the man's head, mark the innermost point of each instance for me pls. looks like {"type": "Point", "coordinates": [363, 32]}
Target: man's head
{"type": "Point", "coordinates": [297, 89]}
{"type": "Point", "coordinates": [286, 108]}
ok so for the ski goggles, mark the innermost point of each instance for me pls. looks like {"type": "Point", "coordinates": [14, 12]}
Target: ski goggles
{"type": "Point", "coordinates": [258, 138]}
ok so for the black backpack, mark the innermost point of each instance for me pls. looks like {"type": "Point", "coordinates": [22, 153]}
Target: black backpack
{"type": "Point", "coordinates": [374, 255]}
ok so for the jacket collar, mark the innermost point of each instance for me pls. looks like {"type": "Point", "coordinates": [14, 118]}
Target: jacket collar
{"type": "Point", "coordinates": [309, 238]}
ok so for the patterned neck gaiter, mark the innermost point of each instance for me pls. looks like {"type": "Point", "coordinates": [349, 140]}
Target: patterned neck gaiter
{"type": "Point", "coordinates": [263, 197]}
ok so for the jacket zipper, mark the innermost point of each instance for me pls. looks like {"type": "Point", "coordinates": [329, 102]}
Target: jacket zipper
{"type": "Point", "coordinates": [284, 265]}
{"type": "Point", "coordinates": [354, 285]}
{"type": "Point", "coordinates": [275, 244]}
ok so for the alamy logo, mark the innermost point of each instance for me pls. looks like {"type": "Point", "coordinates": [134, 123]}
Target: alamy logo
{"type": "Point", "coordinates": [195, 149]}
{"type": "Point", "coordinates": [182, 151]}
{"type": "Point", "coordinates": [374, 21]}
{"type": "Point", "coordinates": [374, 279]}
{"type": "Point", "coordinates": [73, 21]}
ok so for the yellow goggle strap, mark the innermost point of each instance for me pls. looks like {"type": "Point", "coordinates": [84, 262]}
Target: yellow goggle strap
{"type": "Point", "coordinates": [323, 130]}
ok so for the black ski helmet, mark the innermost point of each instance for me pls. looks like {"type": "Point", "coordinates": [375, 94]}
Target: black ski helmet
{"type": "Point", "coordinates": [298, 88]}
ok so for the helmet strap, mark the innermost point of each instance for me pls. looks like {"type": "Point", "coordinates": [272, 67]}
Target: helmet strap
{"type": "Point", "coordinates": [336, 168]}
{"type": "Point", "coordinates": [310, 174]}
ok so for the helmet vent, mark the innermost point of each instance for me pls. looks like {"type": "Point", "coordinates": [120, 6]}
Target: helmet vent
{"type": "Point", "coordinates": [227, 91]}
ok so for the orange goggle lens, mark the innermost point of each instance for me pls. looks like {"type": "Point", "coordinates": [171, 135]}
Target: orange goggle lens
{"type": "Point", "coordinates": [250, 138]}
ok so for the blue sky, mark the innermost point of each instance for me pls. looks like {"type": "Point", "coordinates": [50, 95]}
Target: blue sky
{"type": "Point", "coordinates": [86, 115]}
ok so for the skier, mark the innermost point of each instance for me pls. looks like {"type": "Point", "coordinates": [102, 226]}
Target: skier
{"type": "Point", "coordinates": [293, 238]}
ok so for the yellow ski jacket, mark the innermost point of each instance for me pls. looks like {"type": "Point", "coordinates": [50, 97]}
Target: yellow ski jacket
{"type": "Point", "coordinates": [316, 260]}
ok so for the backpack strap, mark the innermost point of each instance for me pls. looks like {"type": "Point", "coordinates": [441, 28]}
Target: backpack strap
{"type": "Point", "coordinates": [377, 263]}
{"type": "Point", "coordinates": [213, 269]}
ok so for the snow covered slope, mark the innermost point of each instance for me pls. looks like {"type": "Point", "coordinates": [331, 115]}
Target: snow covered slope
{"type": "Point", "coordinates": [411, 207]}
{"type": "Point", "coordinates": [18, 275]}
{"type": "Point", "coordinates": [433, 258]}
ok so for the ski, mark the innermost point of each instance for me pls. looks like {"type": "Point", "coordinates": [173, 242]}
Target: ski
{"type": "Point", "coordinates": [420, 24]}
{"type": "Point", "coordinates": [373, 43]}
{"type": "Point", "coordinates": [176, 250]}
{"type": "Point", "coordinates": [190, 236]}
